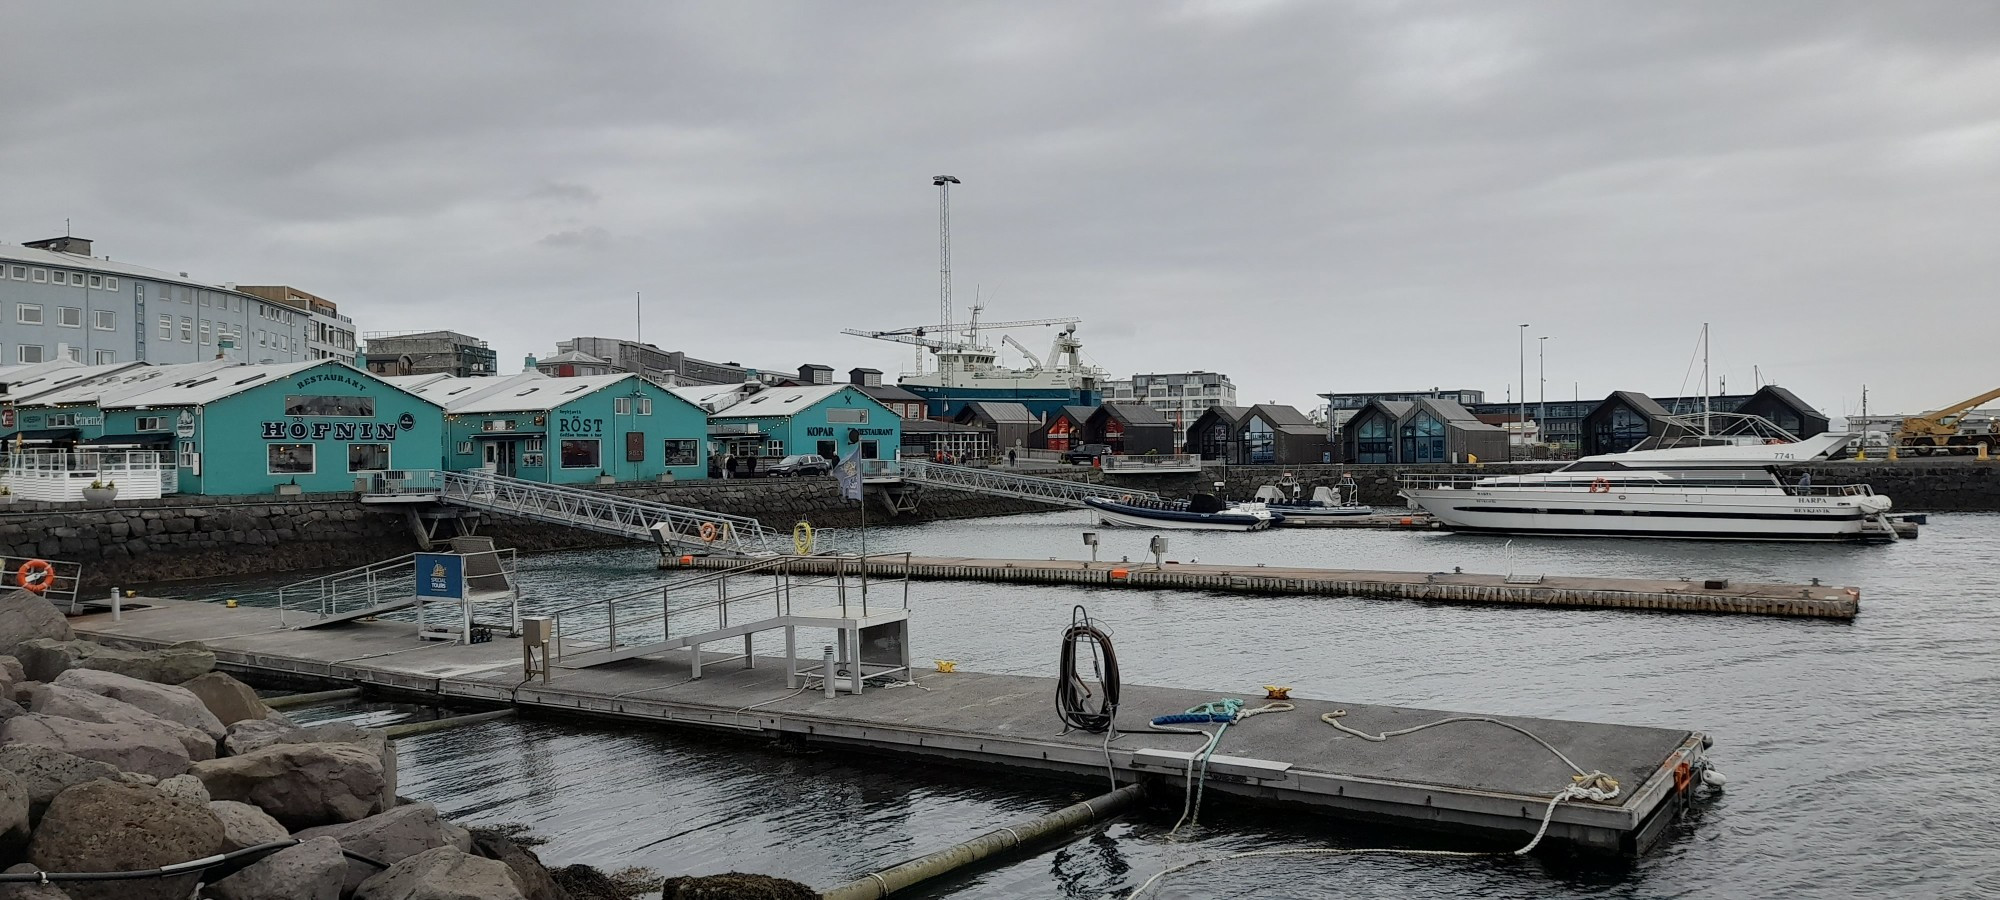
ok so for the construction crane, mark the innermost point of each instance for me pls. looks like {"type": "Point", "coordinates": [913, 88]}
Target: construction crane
{"type": "Point", "coordinates": [1940, 428]}
{"type": "Point", "coordinates": [923, 335]}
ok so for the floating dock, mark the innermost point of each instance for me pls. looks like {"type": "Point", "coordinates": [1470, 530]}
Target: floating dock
{"type": "Point", "coordinates": [1403, 521]}
{"type": "Point", "coordinates": [1702, 596]}
{"type": "Point", "coordinates": [1475, 778]}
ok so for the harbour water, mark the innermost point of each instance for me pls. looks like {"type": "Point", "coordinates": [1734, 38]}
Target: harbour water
{"type": "Point", "coordinates": [1859, 753]}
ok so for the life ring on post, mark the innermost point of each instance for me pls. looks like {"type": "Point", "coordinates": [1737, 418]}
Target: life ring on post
{"type": "Point", "coordinates": [708, 532]}
{"type": "Point", "coordinates": [1600, 486]}
{"type": "Point", "coordinates": [35, 576]}
{"type": "Point", "coordinates": [802, 538]}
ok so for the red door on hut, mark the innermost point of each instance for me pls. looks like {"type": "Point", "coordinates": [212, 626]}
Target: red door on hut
{"type": "Point", "coordinates": [1059, 433]}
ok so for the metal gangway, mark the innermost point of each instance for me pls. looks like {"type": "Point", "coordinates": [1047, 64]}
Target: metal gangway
{"type": "Point", "coordinates": [376, 589]}
{"type": "Point", "coordinates": [869, 612]}
{"type": "Point", "coordinates": [599, 511]}
{"type": "Point", "coordinates": [1000, 483]}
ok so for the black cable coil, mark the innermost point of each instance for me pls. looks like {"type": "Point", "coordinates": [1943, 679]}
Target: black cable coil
{"type": "Point", "coordinates": [1073, 692]}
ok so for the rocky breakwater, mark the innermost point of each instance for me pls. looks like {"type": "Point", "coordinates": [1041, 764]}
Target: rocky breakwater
{"type": "Point", "coordinates": [141, 761]}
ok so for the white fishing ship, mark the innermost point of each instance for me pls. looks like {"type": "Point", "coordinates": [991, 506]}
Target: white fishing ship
{"type": "Point", "coordinates": [966, 367]}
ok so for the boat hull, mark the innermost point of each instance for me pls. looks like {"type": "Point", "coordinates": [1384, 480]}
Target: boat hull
{"type": "Point", "coordinates": [1638, 513]}
{"type": "Point", "coordinates": [1121, 516]}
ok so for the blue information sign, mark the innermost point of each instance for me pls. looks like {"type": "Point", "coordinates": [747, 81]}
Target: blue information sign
{"type": "Point", "coordinates": [441, 576]}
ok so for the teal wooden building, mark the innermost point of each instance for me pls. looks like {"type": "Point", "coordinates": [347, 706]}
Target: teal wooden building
{"type": "Point", "coordinates": [825, 419]}
{"type": "Point", "coordinates": [248, 429]}
{"type": "Point", "coordinates": [581, 430]}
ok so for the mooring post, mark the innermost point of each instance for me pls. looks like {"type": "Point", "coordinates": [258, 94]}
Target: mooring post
{"type": "Point", "coordinates": [117, 607]}
{"type": "Point", "coordinates": [826, 669]}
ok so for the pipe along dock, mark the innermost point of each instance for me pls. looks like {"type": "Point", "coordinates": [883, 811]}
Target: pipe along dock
{"type": "Point", "coordinates": [1474, 777]}
{"type": "Point", "coordinates": [1722, 596]}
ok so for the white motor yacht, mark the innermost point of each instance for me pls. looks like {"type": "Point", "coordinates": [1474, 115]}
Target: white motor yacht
{"type": "Point", "coordinates": [1729, 492]}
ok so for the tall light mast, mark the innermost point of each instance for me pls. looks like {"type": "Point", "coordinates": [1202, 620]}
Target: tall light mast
{"type": "Point", "coordinates": [944, 183]}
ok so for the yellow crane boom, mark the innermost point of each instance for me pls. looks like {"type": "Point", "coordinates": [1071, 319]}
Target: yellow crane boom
{"type": "Point", "coordinates": [1939, 426]}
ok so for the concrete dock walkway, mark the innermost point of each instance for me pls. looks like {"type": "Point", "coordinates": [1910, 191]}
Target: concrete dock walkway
{"type": "Point", "coordinates": [1801, 600]}
{"type": "Point", "coordinates": [1472, 777]}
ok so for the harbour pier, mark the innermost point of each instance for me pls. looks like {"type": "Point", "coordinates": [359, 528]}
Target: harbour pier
{"type": "Point", "coordinates": [1707, 595]}
{"type": "Point", "coordinates": [1480, 777]}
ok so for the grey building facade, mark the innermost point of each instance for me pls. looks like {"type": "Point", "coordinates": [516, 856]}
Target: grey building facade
{"type": "Point", "coordinates": [671, 367]}
{"type": "Point", "coordinates": [429, 353]}
{"type": "Point", "coordinates": [57, 301]}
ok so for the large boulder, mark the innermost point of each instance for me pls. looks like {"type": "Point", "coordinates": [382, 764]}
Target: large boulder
{"type": "Point", "coordinates": [14, 806]}
{"type": "Point", "coordinates": [185, 787]}
{"type": "Point", "coordinates": [300, 785]}
{"type": "Point", "coordinates": [105, 826]}
{"type": "Point", "coordinates": [154, 752]}
{"type": "Point", "coordinates": [392, 837]}
{"type": "Point", "coordinates": [229, 700]}
{"type": "Point", "coordinates": [259, 733]}
{"type": "Point", "coordinates": [446, 873]}
{"type": "Point", "coordinates": [25, 616]}
{"type": "Point", "coordinates": [42, 659]}
{"type": "Point", "coordinates": [536, 882]}
{"type": "Point", "coordinates": [168, 701]}
{"type": "Point", "coordinates": [28, 890]}
{"type": "Point", "coordinates": [45, 772]}
{"type": "Point", "coordinates": [312, 870]}
{"type": "Point", "coordinates": [244, 825]}
{"type": "Point", "coordinates": [84, 706]}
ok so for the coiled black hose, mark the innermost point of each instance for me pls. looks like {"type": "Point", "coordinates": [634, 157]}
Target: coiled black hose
{"type": "Point", "coordinates": [1074, 697]}
{"type": "Point", "coordinates": [167, 871]}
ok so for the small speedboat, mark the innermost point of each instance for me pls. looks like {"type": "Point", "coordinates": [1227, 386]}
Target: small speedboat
{"type": "Point", "coordinates": [1324, 502]}
{"type": "Point", "coordinates": [1200, 512]}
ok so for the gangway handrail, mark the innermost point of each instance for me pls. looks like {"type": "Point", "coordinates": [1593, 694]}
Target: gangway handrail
{"type": "Point", "coordinates": [606, 512]}
{"type": "Point", "coordinates": [1057, 491]}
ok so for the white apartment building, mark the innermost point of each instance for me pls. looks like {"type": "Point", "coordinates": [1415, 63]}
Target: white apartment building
{"type": "Point", "coordinates": [1181, 396]}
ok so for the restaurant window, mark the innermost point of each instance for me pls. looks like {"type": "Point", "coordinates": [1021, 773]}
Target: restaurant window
{"type": "Point", "coordinates": [680, 453]}
{"type": "Point", "coordinates": [645, 406]}
{"type": "Point", "coordinates": [347, 406]}
{"type": "Point", "coordinates": [289, 459]}
{"type": "Point", "coordinates": [621, 406]}
{"type": "Point", "coordinates": [1372, 445]}
{"type": "Point", "coordinates": [580, 454]}
{"type": "Point", "coordinates": [465, 448]}
{"type": "Point", "coordinates": [1423, 439]}
{"type": "Point", "coordinates": [367, 457]}
{"type": "Point", "coordinates": [186, 460]}
{"type": "Point", "coordinates": [829, 450]}
{"type": "Point", "coordinates": [1262, 443]}
{"type": "Point", "coordinates": [151, 423]}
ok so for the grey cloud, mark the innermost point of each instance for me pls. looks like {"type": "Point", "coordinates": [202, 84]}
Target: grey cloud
{"type": "Point", "coordinates": [1306, 196]}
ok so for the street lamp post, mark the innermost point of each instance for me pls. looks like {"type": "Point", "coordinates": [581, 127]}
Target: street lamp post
{"type": "Point", "coordinates": [1521, 417]}
{"type": "Point", "coordinates": [1542, 377]}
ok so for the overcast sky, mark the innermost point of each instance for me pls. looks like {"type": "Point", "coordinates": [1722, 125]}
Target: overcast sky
{"type": "Point", "coordinates": [1305, 196]}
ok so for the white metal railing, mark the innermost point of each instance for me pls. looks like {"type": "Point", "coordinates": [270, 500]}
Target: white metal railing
{"type": "Point", "coordinates": [63, 583]}
{"type": "Point", "coordinates": [60, 476]}
{"type": "Point", "coordinates": [686, 610]}
{"type": "Point", "coordinates": [881, 469]}
{"type": "Point", "coordinates": [645, 520]}
{"type": "Point", "coordinates": [1156, 463]}
{"type": "Point", "coordinates": [392, 584]}
{"type": "Point", "coordinates": [1600, 482]}
{"type": "Point", "coordinates": [1002, 483]}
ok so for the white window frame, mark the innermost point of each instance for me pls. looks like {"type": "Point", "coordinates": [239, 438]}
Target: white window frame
{"type": "Point", "coordinates": [103, 357]}
{"type": "Point", "coordinates": [20, 272]}
{"type": "Point", "coordinates": [205, 339]}
{"type": "Point", "coordinates": [110, 283]}
{"type": "Point", "coordinates": [166, 327]}
{"type": "Point", "coordinates": [645, 406]}
{"type": "Point", "coordinates": [99, 316]}
{"type": "Point", "coordinates": [187, 330]}
{"type": "Point", "coordinates": [21, 314]}
{"type": "Point", "coordinates": [21, 353]}
{"type": "Point", "coordinates": [38, 276]}
{"type": "Point", "coordinates": [76, 278]}
{"type": "Point", "coordinates": [621, 406]}
{"type": "Point", "coordinates": [388, 455]}
{"type": "Point", "coordinates": [150, 423]}
{"type": "Point", "coordinates": [63, 313]}
{"type": "Point", "coordinates": [97, 281]}
{"type": "Point", "coordinates": [75, 354]}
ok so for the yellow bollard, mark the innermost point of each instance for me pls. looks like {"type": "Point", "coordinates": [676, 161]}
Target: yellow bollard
{"type": "Point", "coordinates": [1892, 453]}
{"type": "Point", "coordinates": [1861, 455]}
{"type": "Point", "coordinates": [1982, 452]}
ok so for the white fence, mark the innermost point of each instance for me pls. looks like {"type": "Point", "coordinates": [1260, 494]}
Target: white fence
{"type": "Point", "coordinates": [61, 476]}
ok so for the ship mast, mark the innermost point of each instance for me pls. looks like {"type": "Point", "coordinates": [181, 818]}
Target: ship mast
{"type": "Point", "coordinates": [944, 183]}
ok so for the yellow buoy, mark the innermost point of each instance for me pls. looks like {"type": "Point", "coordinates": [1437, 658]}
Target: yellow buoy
{"type": "Point", "coordinates": [946, 666]}
{"type": "Point", "coordinates": [229, 603]}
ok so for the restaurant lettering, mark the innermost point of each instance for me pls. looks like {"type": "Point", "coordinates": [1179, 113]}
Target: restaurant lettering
{"type": "Point", "coordinates": [340, 377]}
{"type": "Point", "coordinates": [577, 425]}
{"type": "Point", "coordinates": [319, 431]}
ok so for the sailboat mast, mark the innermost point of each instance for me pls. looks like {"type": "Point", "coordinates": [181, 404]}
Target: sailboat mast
{"type": "Point", "coordinates": [1704, 378]}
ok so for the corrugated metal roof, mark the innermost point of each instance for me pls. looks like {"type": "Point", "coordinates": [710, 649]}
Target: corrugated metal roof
{"type": "Point", "coordinates": [534, 392]}
{"type": "Point", "coordinates": [1001, 412]}
{"type": "Point", "coordinates": [195, 385]}
{"type": "Point", "coordinates": [782, 401]}
{"type": "Point", "coordinates": [121, 382]}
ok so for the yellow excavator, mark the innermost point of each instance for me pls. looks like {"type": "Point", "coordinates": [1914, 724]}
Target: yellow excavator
{"type": "Point", "coordinates": [1937, 430]}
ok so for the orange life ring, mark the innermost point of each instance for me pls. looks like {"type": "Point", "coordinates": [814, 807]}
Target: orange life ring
{"type": "Point", "coordinates": [36, 575]}
{"type": "Point", "coordinates": [708, 532]}
{"type": "Point", "coordinates": [1125, 498]}
{"type": "Point", "coordinates": [1600, 485]}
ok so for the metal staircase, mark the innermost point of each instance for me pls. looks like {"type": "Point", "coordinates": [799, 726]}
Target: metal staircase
{"type": "Point", "coordinates": [1054, 491]}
